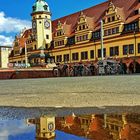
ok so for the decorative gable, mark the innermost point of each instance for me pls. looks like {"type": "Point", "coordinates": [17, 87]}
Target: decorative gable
{"type": "Point", "coordinates": [59, 29]}
{"type": "Point", "coordinates": [82, 18]}
{"type": "Point", "coordinates": [113, 13]}
{"type": "Point", "coordinates": [82, 22]}
{"type": "Point", "coordinates": [111, 9]}
{"type": "Point", "coordinates": [59, 25]}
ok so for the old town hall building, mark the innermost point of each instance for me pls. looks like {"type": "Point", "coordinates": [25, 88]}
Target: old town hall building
{"type": "Point", "coordinates": [77, 37]}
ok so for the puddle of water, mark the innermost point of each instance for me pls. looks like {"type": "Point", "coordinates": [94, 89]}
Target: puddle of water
{"type": "Point", "coordinates": [124, 126]}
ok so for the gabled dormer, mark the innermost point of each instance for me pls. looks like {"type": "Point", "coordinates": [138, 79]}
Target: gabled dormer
{"type": "Point", "coordinates": [81, 23]}
{"type": "Point", "coordinates": [84, 27]}
{"type": "Point", "coordinates": [113, 14]}
{"type": "Point", "coordinates": [113, 20]}
{"type": "Point", "coordinates": [60, 38]}
{"type": "Point", "coordinates": [59, 29]}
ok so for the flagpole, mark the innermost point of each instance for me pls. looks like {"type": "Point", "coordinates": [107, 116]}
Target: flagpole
{"type": "Point", "coordinates": [102, 41]}
{"type": "Point", "coordinates": [26, 58]}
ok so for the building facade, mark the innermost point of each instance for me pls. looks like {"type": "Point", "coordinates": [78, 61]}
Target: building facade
{"type": "Point", "coordinates": [4, 54]}
{"type": "Point", "coordinates": [77, 37]}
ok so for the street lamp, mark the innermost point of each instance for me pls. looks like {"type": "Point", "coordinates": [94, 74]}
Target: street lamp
{"type": "Point", "coordinates": [70, 53]}
{"type": "Point", "coordinates": [102, 45]}
{"type": "Point", "coordinates": [26, 57]}
{"type": "Point", "coordinates": [135, 42]}
{"type": "Point", "coordinates": [135, 51]}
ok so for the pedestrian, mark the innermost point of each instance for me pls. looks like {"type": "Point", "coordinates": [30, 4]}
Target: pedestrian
{"type": "Point", "coordinates": [65, 69]}
{"type": "Point", "coordinates": [80, 69]}
{"type": "Point", "coordinates": [75, 69]}
{"type": "Point", "coordinates": [92, 69]}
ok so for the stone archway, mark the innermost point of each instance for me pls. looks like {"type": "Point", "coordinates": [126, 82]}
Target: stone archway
{"type": "Point", "coordinates": [131, 67]}
{"type": "Point", "coordinates": [124, 67]}
{"type": "Point", "coordinates": [137, 67]}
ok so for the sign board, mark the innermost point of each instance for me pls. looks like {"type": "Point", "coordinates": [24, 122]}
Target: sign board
{"type": "Point", "coordinates": [18, 65]}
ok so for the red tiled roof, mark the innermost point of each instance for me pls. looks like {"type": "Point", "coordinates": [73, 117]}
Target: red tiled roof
{"type": "Point", "coordinates": [125, 8]}
{"type": "Point", "coordinates": [69, 120]}
{"type": "Point", "coordinates": [95, 125]}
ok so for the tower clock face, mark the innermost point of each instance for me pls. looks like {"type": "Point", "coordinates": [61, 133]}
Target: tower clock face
{"type": "Point", "coordinates": [46, 23]}
{"type": "Point", "coordinates": [34, 26]}
{"type": "Point", "coordinates": [51, 126]}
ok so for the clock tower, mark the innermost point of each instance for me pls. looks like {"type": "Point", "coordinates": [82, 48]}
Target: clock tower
{"type": "Point", "coordinates": [41, 24]}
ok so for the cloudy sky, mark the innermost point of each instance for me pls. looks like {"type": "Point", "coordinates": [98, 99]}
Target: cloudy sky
{"type": "Point", "coordinates": [19, 130]}
{"type": "Point", "coordinates": [11, 129]}
{"type": "Point", "coordinates": [15, 14]}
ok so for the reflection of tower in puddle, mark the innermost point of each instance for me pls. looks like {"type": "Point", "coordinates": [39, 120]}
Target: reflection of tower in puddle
{"type": "Point", "coordinates": [45, 127]}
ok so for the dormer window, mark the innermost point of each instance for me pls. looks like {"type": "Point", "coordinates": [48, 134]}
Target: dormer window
{"type": "Point", "coordinates": [113, 18]}
{"type": "Point", "coordinates": [80, 28]}
{"type": "Point", "coordinates": [84, 27]}
{"type": "Point", "coordinates": [60, 32]}
{"type": "Point", "coordinates": [131, 27]}
{"type": "Point", "coordinates": [136, 12]}
{"type": "Point", "coordinates": [34, 8]}
{"type": "Point", "coordinates": [109, 19]}
{"type": "Point", "coordinates": [46, 7]}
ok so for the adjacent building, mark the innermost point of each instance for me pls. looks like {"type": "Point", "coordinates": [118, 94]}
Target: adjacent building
{"type": "Point", "coordinates": [4, 56]}
{"type": "Point", "coordinates": [77, 37]}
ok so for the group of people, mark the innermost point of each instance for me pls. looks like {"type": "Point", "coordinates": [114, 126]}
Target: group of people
{"type": "Point", "coordinates": [86, 69]}
{"type": "Point", "coordinates": [76, 69]}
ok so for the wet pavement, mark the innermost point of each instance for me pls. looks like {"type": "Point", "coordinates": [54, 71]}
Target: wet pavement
{"type": "Point", "coordinates": [71, 92]}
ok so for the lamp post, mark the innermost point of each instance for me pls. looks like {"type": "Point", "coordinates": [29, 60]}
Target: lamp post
{"type": "Point", "coordinates": [135, 43]}
{"type": "Point", "coordinates": [26, 57]}
{"type": "Point", "coordinates": [102, 41]}
{"type": "Point", "coordinates": [70, 53]}
{"type": "Point", "coordinates": [135, 51]}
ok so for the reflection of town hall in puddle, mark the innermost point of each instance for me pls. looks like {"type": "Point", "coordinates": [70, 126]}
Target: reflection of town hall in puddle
{"type": "Point", "coordinates": [94, 127]}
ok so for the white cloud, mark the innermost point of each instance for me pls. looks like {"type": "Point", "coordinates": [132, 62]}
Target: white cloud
{"type": "Point", "coordinates": [4, 138]}
{"type": "Point", "coordinates": [6, 41]}
{"type": "Point", "coordinates": [14, 127]}
{"type": "Point", "coordinates": [9, 24]}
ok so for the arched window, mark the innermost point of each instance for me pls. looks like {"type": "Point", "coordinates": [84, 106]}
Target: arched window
{"type": "Point", "coordinates": [84, 26]}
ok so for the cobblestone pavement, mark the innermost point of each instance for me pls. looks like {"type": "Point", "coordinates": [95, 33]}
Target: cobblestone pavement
{"type": "Point", "coordinates": [71, 92]}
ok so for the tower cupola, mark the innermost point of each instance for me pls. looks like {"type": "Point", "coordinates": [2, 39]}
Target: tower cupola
{"type": "Point", "coordinates": [40, 6]}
